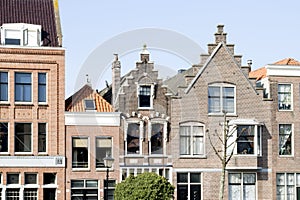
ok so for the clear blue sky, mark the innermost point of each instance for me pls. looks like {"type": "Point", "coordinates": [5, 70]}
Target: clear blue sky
{"type": "Point", "coordinates": [264, 31]}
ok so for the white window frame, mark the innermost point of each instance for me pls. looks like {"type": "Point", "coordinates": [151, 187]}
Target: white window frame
{"type": "Point", "coordinates": [288, 187]}
{"type": "Point", "coordinates": [111, 150]}
{"type": "Point", "coordinates": [85, 187]}
{"type": "Point", "coordinates": [189, 183]}
{"type": "Point", "coordinates": [46, 88]}
{"type": "Point", "coordinates": [89, 152]}
{"type": "Point", "coordinates": [241, 185]}
{"type": "Point", "coordinates": [8, 87]}
{"type": "Point", "coordinates": [288, 101]}
{"type": "Point", "coordinates": [192, 138]}
{"type": "Point", "coordinates": [31, 88]}
{"type": "Point", "coordinates": [47, 139]}
{"type": "Point", "coordinates": [162, 171]}
{"type": "Point", "coordinates": [292, 140]}
{"type": "Point", "coordinates": [151, 95]}
{"type": "Point", "coordinates": [221, 86]}
{"type": "Point", "coordinates": [164, 135]}
{"type": "Point", "coordinates": [141, 136]}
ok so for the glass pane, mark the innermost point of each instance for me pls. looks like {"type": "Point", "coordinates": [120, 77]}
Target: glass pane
{"type": "Point", "coordinates": [42, 137]}
{"type": "Point", "coordinates": [235, 192]}
{"type": "Point", "coordinates": [12, 178]}
{"type": "Point", "coordinates": [3, 137]}
{"type": "Point", "coordinates": [195, 178]}
{"type": "Point", "coordinates": [195, 192]}
{"type": "Point", "coordinates": [91, 183]}
{"type": "Point", "coordinates": [234, 178]}
{"type": "Point", "coordinates": [157, 139]}
{"type": "Point", "coordinates": [30, 178]}
{"type": "Point", "coordinates": [77, 183]}
{"type": "Point", "coordinates": [22, 137]}
{"type": "Point", "coordinates": [249, 178]}
{"type": "Point", "coordinates": [285, 139]}
{"type": "Point", "coordinates": [182, 177]}
{"type": "Point", "coordinates": [42, 78]}
{"type": "Point", "coordinates": [185, 145]}
{"type": "Point", "coordinates": [133, 141]}
{"type": "Point", "coordinates": [182, 192]}
{"type": "Point", "coordinates": [249, 192]}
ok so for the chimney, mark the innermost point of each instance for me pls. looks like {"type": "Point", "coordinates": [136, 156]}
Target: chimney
{"type": "Point", "coordinates": [145, 54]}
{"type": "Point", "coordinates": [220, 36]}
{"type": "Point", "coordinates": [116, 81]}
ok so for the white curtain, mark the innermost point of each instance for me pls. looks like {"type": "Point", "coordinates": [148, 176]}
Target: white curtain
{"type": "Point", "coordinates": [185, 140]}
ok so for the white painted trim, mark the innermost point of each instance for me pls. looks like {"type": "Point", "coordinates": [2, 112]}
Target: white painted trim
{"type": "Point", "coordinates": [32, 161]}
{"type": "Point", "coordinates": [92, 118]}
{"type": "Point", "coordinates": [283, 70]}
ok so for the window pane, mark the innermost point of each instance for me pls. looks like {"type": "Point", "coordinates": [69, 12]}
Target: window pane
{"type": "Point", "coordinates": [284, 96]}
{"type": "Point", "coordinates": [235, 192]}
{"type": "Point", "coordinates": [228, 99]}
{"type": "Point", "coordinates": [3, 137]}
{"type": "Point", "coordinates": [12, 194]}
{"type": "Point", "coordinates": [30, 194]}
{"type": "Point", "coordinates": [144, 96]}
{"type": "Point", "coordinates": [195, 178]}
{"type": "Point", "coordinates": [235, 178]}
{"type": "Point", "coordinates": [249, 178]}
{"type": "Point", "coordinates": [80, 156]}
{"type": "Point", "coordinates": [23, 87]}
{"type": "Point", "coordinates": [182, 177]}
{"type": "Point", "coordinates": [23, 137]}
{"type": "Point", "coordinates": [245, 141]}
{"type": "Point", "coordinates": [133, 138]}
{"type": "Point", "coordinates": [157, 139]}
{"type": "Point", "coordinates": [42, 87]}
{"type": "Point", "coordinates": [91, 183]}
{"type": "Point", "coordinates": [77, 183]}
{"type": "Point", "coordinates": [89, 104]}
{"type": "Point", "coordinates": [13, 178]}
{"type": "Point", "coordinates": [42, 137]}
{"type": "Point", "coordinates": [214, 103]}
{"type": "Point", "coordinates": [30, 178]}
{"type": "Point", "coordinates": [103, 148]}
{"type": "Point", "coordinates": [49, 178]}
{"type": "Point", "coordinates": [285, 139]}
{"type": "Point", "coordinates": [3, 86]}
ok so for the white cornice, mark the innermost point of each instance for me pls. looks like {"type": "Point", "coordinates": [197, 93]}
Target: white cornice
{"type": "Point", "coordinates": [92, 118]}
{"type": "Point", "coordinates": [283, 70]}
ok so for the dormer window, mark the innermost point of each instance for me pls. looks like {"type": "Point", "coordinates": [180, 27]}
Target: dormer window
{"type": "Point", "coordinates": [145, 96]}
{"type": "Point", "coordinates": [89, 104]}
{"type": "Point", "coordinates": [21, 34]}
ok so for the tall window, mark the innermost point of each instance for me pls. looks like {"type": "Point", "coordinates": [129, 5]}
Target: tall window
{"type": "Point", "coordinates": [80, 153]}
{"type": "Point", "coordinates": [84, 189]}
{"type": "Point", "coordinates": [103, 148]}
{"type": "Point", "coordinates": [3, 86]}
{"type": "Point", "coordinates": [285, 139]}
{"type": "Point", "coordinates": [189, 186]}
{"type": "Point", "coordinates": [3, 137]}
{"type": "Point", "coordinates": [133, 138]}
{"type": "Point", "coordinates": [50, 182]}
{"type": "Point", "coordinates": [12, 193]}
{"type": "Point", "coordinates": [284, 96]}
{"type": "Point", "coordinates": [157, 138]}
{"type": "Point", "coordinates": [42, 94]}
{"type": "Point", "coordinates": [221, 97]}
{"type": "Point", "coordinates": [144, 96]}
{"type": "Point", "coordinates": [22, 87]}
{"type": "Point", "coordinates": [242, 186]}
{"type": "Point", "coordinates": [246, 139]}
{"type": "Point", "coordinates": [191, 139]}
{"type": "Point", "coordinates": [23, 137]}
{"type": "Point", "coordinates": [288, 186]}
{"type": "Point", "coordinates": [30, 193]}
{"type": "Point", "coordinates": [42, 137]}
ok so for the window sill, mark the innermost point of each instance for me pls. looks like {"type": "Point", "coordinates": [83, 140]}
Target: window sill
{"type": "Point", "coordinates": [42, 104]}
{"type": "Point", "coordinates": [104, 169]}
{"type": "Point", "coordinates": [81, 170]}
{"type": "Point", "coordinates": [24, 154]}
{"type": "Point", "coordinates": [42, 154]}
{"type": "Point", "coordinates": [134, 156]}
{"type": "Point", "coordinates": [285, 156]}
{"type": "Point", "coordinates": [285, 110]}
{"type": "Point", "coordinates": [222, 114]}
{"type": "Point", "coordinates": [157, 156]}
{"type": "Point", "coordinates": [24, 104]}
{"type": "Point", "coordinates": [193, 157]}
{"type": "Point", "coordinates": [145, 108]}
{"type": "Point", "coordinates": [4, 103]}
{"type": "Point", "coordinates": [4, 154]}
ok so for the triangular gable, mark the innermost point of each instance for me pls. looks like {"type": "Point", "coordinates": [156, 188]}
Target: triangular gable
{"type": "Point", "coordinates": [75, 103]}
{"type": "Point", "coordinates": [218, 47]}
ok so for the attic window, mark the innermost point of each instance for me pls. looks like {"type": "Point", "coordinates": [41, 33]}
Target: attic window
{"type": "Point", "coordinates": [21, 34]}
{"type": "Point", "coordinates": [89, 104]}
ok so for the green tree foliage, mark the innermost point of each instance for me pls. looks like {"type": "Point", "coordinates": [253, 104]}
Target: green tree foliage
{"type": "Point", "coordinates": [148, 186]}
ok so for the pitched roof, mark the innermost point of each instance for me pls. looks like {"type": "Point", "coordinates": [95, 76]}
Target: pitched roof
{"type": "Point", "coordinates": [258, 74]}
{"type": "Point", "coordinates": [288, 61]}
{"type": "Point", "coordinates": [39, 12]}
{"type": "Point", "coordinates": [262, 72]}
{"type": "Point", "coordinates": [75, 103]}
